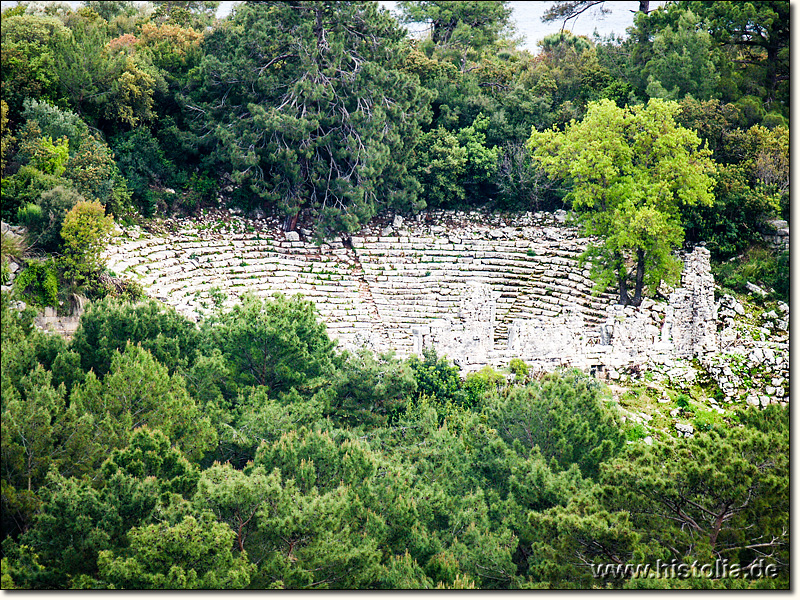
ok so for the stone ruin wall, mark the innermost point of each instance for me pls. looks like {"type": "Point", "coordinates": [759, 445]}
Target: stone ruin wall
{"type": "Point", "coordinates": [481, 289]}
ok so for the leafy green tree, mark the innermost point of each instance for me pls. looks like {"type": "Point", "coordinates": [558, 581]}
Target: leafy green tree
{"type": "Point", "coordinates": [256, 418]}
{"type": "Point", "coordinates": [403, 573]}
{"type": "Point", "coordinates": [569, 539]}
{"type": "Point", "coordinates": [133, 89]}
{"type": "Point", "coordinates": [318, 540]}
{"type": "Point", "coordinates": [172, 48]}
{"type": "Point", "coordinates": [307, 105]}
{"type": "Point", "coordinates": [764, 154]}
{"type": "Point", "coordinates": [365, 389]}
{"type": "Point", "coordinates": [457, 475]}
{"type": "Point", "coordinates": [565, 416]}
{"type": "Point", "coordinates": [38, 283]}
{"type": "Point", "coordinates": [86, 168]}
{"type": "Point", "coordinates": [194, 553]}
{"type": "Point", "coordinates": [83, 66]}
{"type": "Point", "coordinates": [75, 523]}
{"type": "Point", "coordinates": [456, 167]}
{"type": "Point", "coordinates": [142, 161]}
{"type": "Point", "coordinates": [720, 494]}
{"type": "Point", "coordinates": [441, 163]}
{"type": "Point", "coordinates": [569, 74]}
{"type": "Point", "coordinates": [93, 172]}
{"type": "Point", "coordinates": [28, 60]}
{"type": "Point", "coordinates": [319, 528]}
{"type": "Point", "coordinates": [197, 13]}
{"type": "Point", "coordinates": [26, 187]}
{"type": "Point", "coordinates": [759, 33]}
{"type": "Point", "coordinates": [7, 140]}
{"type": "Point", "coordinates": [85, 231]}
{"type": "Point", "coordinates": [466, 27]}
{"type": "Point", "coordinates": [29, 423]}
{"type": "Point", "coordinates": [436, 378]}
{"type": "Point", "coordinates": [682, 63]}
{"type": "Point", "coordinates": [630, 171]}
{"type": "Point", "coordinates": [276, 343]}
{"type": "Point", "coordinates": [55, 204]}
{"type": "Point", "coordinates": [45, 154]}
{"type": "Point", "coordinates": [713, 121]}
{"type": "Point", "coordinates": [57, 123]}
{"type": "Point", "coordinates": [138, 391]}
{"type": "Point", "coordinates": [109, 325]}
{"type": "Point", "coordinates": [734, 221]}
{"type": "Point", "coordinates": [79, 519]}
{"type": "Point", "coordinates": [235, 497]}
{"type": "Point", "coordinates": [149, 454]}
{"type": "Point", "coordinates": [108, 10]}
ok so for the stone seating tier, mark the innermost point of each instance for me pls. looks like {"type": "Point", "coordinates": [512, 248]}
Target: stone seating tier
{"type": "Point", "coordinates": [371, 285]}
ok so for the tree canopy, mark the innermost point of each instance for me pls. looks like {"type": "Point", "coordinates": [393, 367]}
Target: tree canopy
{"type": "Point", "coordinates": [247, 450]}
{"type": "Point", "coordinates": [630, 170]}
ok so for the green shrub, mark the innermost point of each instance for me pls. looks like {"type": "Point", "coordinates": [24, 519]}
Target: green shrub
{"type": "Point", "coordinates": [565, 415]}
{"type": "Point", "coordinates": [437, 378]}
{"type": "Point", "coordinates": [478, 385]}
{"type": "Point", "coordinates": [518, 367]}
{"type": "Point", "coordinates": [635, 433]}
{"type": "Point", "coordinates": [54, 205]}
{"type": "Point", "coordinates": [26, 187]}
{"type": "Point", "coordinates": [706, 420]}
{"type": "Point", "coordinates": [30, 215]}
{"type": "Point", "coordinates": [141, 160]}
{"type": "Point", "coordinates": [38, 284]}
{"type": "Point", "coordinates": [683, 401]}
{"type": "Point", "coordinates": [200, 188]}
{"type": "Point", "coordinates": [57, 123]}
{"type": "Point", "coordinates": [85, 232]}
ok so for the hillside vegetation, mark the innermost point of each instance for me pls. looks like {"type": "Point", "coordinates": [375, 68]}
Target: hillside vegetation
{"type": "Point", "coordinates": [247, 450]}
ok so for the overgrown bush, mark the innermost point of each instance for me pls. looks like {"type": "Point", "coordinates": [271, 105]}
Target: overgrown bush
{"type": "Point", "coordinates": [54, 205]}
{"type": "Point", "coordinates": [26, 187]}
{"type": "Point", "coordinates": [38, 283]}
{"type": "Point", "coordinates": [85, 232]}
{"type": "Point", "coordinates": [437, 378]}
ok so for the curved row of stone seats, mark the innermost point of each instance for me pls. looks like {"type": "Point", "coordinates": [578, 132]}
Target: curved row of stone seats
{"type": "Point", "coordinates": [505, 265]}
{"type": "Point", "coordinates": [239, 264]}
{"type": "Point", "coordinates": [372, 286]}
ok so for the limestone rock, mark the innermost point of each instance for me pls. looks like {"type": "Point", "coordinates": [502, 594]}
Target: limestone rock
{"type": "Point", "coordinates": [754, 289]}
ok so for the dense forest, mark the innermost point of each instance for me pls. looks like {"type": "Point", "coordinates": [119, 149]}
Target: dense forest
{"type": "Point", "coordinates": [247, 450]}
